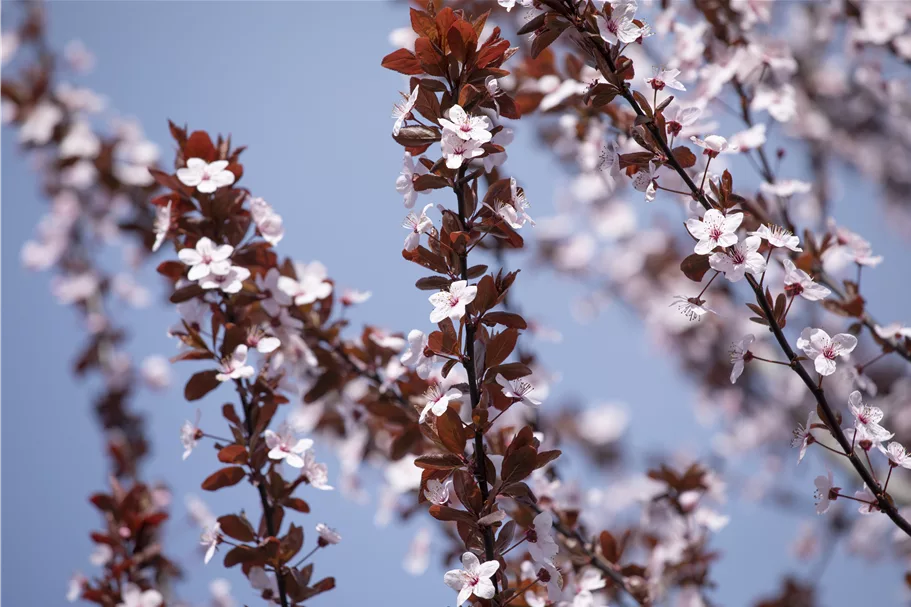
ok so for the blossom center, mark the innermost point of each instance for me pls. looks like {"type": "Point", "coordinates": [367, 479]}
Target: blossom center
{"type": "Point", "coordinates": [793, 289]}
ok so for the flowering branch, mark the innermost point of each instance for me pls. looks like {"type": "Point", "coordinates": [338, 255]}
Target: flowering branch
{"type": "Point", "coordinates": [605, 57]}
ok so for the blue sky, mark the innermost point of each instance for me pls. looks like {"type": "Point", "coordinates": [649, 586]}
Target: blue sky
{"type": "Point", "coordinates": [301, 85]}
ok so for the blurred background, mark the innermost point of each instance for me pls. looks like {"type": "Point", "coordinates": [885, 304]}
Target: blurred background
{"type": "Point", "coordinates": [300, 83]}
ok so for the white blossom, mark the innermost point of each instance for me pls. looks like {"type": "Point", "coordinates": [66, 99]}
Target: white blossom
{"type": "Point", "coordinates": [714, 230]}
{"type": "Point", "coordinates": [210, 539]}
{"type": "Point", "coordinates": [825, 492]}
{"type": "Point", "coordinates": [327, 535]}
{"type": "Point", "coordinates": [778, 237]}
{"type": "Point", "coordinates": [404, 183]}
{"type": "Point", "coordinates": [310, 286]}
{"type": "Point", "coordinates": [437, 492]}
{"type": "Point", "coordinates": [541, 544]}
{"type": "Point", "coordinates": [416, 226]}
{"type": "Point", "coordinates": [518, 390]}
{"type": "Point", "coordinates": [402, 111]}
{"type": "Point", "coordinates": [457, 150]}
{"type": "Point", "coordinates": [740, 354]}
{"type": "Point", "coordinates": [284, 445]}
{"type": "Point", "coordinates": [235, 366]}
{"type": "Point", "coordinates": [133, 596]}
{"type": "Point", "coordinates": [206, 177]}
{"type": "Point", "coordinates": [743, 258]}
{"type": "Point", "coordinates": [619, 26]}
{"type": "Point", "coordinates": [437, 400]}
{"type": "Point", "coordinates": [206, 258]}
{"type": "Point", "coordinates": [451, 302]}
{"type": "Point", "coordinates": [823, 350]}
{"type": "Point", "coordinates": [797, 282]}
{"type": "Point", "coordinates": [473, 578]}
{"type": "Point", "coordinates": [465, 126]}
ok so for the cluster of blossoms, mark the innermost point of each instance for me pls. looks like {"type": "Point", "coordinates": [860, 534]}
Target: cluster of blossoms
{"type": "Point", "coordinates": [746, 237]}
{"type": "Point", "coordinates": [235, 300]}
{"type": "Point", "coordinates": [464, 411]}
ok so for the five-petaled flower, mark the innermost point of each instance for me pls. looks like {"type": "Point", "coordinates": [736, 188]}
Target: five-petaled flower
{"type": "Point", "coordinates": [231, 281]}
{"type": "Point", "coordinates": [620, 26]}
{"type": "Point", "coordinates": [311, 284]}
{"type": "Point", "coordinates": [518, 390]}
{"type": "Point", "coordinates": [825, 492]}
{"type": "Point", "coordinates": [190, 435]}
{"type": "Point", "coordinates": [268, 222]}
{"type": "Point", "coordinates": [803, 436]}
{"type": "Point", "coordinates": [714, 230]}
{"type": "Point", "coordinates": [823, 350]}
{"type": "Point", "coordinates": [414, 357]}
{"type": "Point", "coordinates": [740, 355]}
{"type": "Point", "coordinates": [315, 473]}
{"type": "Point", "coordinates": [417, 226]}
{"type": "Point", "coordinates": [284, 445]}
{"type": "Point", "coordinates": [206, 177]}
{"type": "Point", "coordinates": [235, 366]}
{"type": "Point", "coordinates": [610, 159]}
{"type": "Point", "coordinates": [742, 258]}
{"type": "Point", "coordinates": [206, 258]}
{"type": "Point", "coordinates": [134, 596]}
{"type": "Point", "coordinates": [451, 302]}
{"type": "Point", "coordinates": [897, 455]}
{"type": "Point", "coordinates": [457, 150]}
{"type": "Point", "coordinates": [644, 181]}
{"type": "Point", "coordinates": [778, 237]}
{"type": "Point", "coordinates": [541, 544]}
{"type": "Point", "coordinates": [264, 343]}
{"type": "Point", "coordinates": [210, 538]}
{"type": "Point", "coordinates": [402, 111]}
{"type": "Point", "coordinates": [797, 282]}
{"type": "Point", "coordinates": [713, 145]}
{"type": "Point", "coordinates": [404, 183]}
{"type": "Point", "coordinates": [162, 225]}
{"type": "Point", "coordinates": [274, 299]}
{"type": "Point", "coordinates": [893, 331]}
{"type": "Point", "coordinates": [465, 126]}
{"type": "Point", "coordinates": [665, 78]}
{"type": "Point", "coordinates": [473, 578]}
{"type": "Point", "coordinates": [437, 492]}
{"type": "Point", "coordinates": [327, 535]}
{"type": "Point", "coordinates": [437, 400]}
{"type": "Point", "coordinates": [693, 308]}
{"type": "Point", "coordinates": [866, 420]}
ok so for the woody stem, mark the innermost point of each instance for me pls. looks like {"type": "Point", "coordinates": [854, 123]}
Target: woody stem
{"type": "Point", "coordinates": [469, 364]}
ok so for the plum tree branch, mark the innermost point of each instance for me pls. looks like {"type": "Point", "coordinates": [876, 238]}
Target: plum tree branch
{"type": "Point", "coordinates": [592, 41]}
{"type": "Point", "coordinates": [470, 370]}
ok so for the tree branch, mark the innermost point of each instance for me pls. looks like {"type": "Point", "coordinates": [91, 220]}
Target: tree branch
{"type": "Point", "coordinates": [469, 365]}
{"type": "Point", "coordinates": [263, 496]}
{"type": "Point", "coordinates": [829, 416]}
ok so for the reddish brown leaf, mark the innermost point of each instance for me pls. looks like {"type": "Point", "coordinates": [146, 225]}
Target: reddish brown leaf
{"type": "Point", "coordinates": [225, 477]}
{"type": "Point", "coordinates": [695, 266]}
{"type": "Point", "coordinates": [501, 346]}
{"type": "Point", "coordinates": [450, 430]}
{"type": "Point", "coordinates": [402, 61]}
{"type": "Point", "coordinates": [201, 384]}
{"type": "Point", "coordinates": [237, 527]}
{"type": "Point", "coordinates": [233, 454]}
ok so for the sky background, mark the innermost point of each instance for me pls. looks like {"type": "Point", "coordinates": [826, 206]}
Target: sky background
{"type": "Point", "coordinates": [301, 85]}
